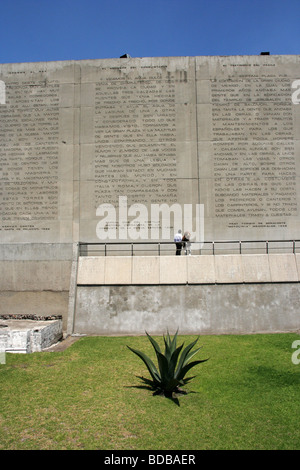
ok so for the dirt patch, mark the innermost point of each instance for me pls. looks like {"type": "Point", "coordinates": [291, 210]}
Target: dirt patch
{"type": "Point", "coordinates": [64, 344]}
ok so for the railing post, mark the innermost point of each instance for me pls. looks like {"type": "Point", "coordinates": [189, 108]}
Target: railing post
{"type": "Point", "coordinates": [158, 249]}
{"type": "Point", "coordinates": [213, 247]}
{"type": "Point", "coordinates": [240, 247]}
{"type": "Point", "coordinates": [267, 247]}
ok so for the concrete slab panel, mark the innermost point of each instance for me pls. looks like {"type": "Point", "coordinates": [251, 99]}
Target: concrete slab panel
{"type": "Point", "coordinates": [283, 268]}
{"type": "Point", "coordinates": [145, 270]}
{"type": "Point", "coordinates": [173, 269]}
{"type": "Point", "coordinates": [91, 270]}
{"type": "Point", "coordinates": [34, 275]}
{"type": "Point", "coordinates": [118, 270]}
{"type": "Point", "coordinates": [229, 269]}
{"type": "Point", "coordinates": [256, 268]}
{"type": "Point", "coordinates": [201, 269]}
{"type": "Point", "coordinates": [237, 164]}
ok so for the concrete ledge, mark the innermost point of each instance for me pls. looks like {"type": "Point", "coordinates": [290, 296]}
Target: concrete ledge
{"type": "Point", "coordinates": [203, 269]}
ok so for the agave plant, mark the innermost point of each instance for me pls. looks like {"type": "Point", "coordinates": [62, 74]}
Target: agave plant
{"type": "Point", "coordinates": [172, 367]}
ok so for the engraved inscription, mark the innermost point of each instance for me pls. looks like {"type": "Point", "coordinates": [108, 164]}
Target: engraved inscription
{"type": "Point", "coordinates": [254, 162]}
{"type": "Point", "coordinates": [2, 92]}
{"type": "Point", "coordinates": [29, 131]}
{"type": "Point", "coordinates": [135, 137]}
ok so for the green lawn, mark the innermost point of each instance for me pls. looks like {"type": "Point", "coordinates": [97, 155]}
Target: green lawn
{"type": "Point", "coordinates": [246, 396]}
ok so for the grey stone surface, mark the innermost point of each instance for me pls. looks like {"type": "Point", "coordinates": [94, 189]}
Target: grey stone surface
{"type": "Point", "coordinates": [283, 268]}
{"type": "Point", "coordinates": [197, 269]}
{"type": "Point", "coordinates": [219, 131]}
{"type": "Point", "coordinates": [201, 269]}
{"type": "Point", "coordinates": [40, 303]}
{"type": "Point", "coordinates": [256, 268]}
{"type": "Point", "coordinates": [194, 309]}
{"type": "Point", "coordinates": [145, 270]}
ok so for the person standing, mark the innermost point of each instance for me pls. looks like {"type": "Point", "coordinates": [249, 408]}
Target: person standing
{"type": "Point", "coordinates": [186, 242]}
{"type": "Point", "coordinates": [178, 242]}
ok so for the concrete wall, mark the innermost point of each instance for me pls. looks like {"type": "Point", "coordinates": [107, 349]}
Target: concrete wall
{"type": "Point", "coordinates": [204, 269]}
{"type": "Point", "coordinates": [35, 279]}
{"type": "Point", "coordinates": [194, 309]}
{"type": "Point", "coordinates": [223, 132]}
{"type": "Point", "coordinates": [219, 294]}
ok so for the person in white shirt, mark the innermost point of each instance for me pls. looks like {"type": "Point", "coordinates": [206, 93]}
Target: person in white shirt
{"type": "Point", "coordinates": [178, 242]}
{"type": "Point", "coordinates": [187, 243]}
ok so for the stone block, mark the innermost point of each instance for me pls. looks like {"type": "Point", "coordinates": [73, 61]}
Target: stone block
{"type": "Point", "coordinates": [91, 270]}
{"type": "Point", "coordinates": [229, 269]}
{"type": "Point", "coordinates": [201, 269]}
{"type": "Point", "coordinates": [283, 268]}
{"type": "Point", "coordinates": [145, 270]}
{"type": "Point", "coordinates": [256, 268]}
{"type": "Point", "coordinates": [173, 269]}
{"type": "Point", "coordinates": [118, 270]}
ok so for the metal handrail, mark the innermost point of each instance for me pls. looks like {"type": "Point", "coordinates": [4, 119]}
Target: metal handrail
{"type": "Point", "coordinates": [213, 246]}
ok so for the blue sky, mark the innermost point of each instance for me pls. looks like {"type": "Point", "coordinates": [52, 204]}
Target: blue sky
{"type": "Point", "coordinates": [47, 30]}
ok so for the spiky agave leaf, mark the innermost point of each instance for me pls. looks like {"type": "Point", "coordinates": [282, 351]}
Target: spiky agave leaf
{"type": "Point", "coordinates": [186, 368]}
{"type": "Point", "coordinates": [149, 364]}
{"type": "Point", "coordinates": [173, 360]}
{"type": "Point", "coordinates": [185, 356]}
{"type": "Point", "coordinates": [184, 365]}
{"type": "Point", "coordinates": [163, 365]}
{"type": "Point", "coordinates": [170, 375]}
{"type": "Point", "coordinates": [170, 345]}
{"type": "Point", "coordinates": [153, 342]}
{"type": "Point", "coordinates": [169, 380]}
{"type": "Point", "coordinates": [166, 362]}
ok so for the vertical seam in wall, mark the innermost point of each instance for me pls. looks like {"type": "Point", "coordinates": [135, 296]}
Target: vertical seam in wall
{"type": "Point", "coordinates": [73, 290]}
{"type": "Point", "coordinates": [79, 153]}
{"type": "Point", "coordinates": [196, 123]}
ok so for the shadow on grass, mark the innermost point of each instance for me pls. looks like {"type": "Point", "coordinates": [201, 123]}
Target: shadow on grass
{"type": "Point", "coordinates": [173, 396]}
{"type": "Point", "coordinates": [272, 376]}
